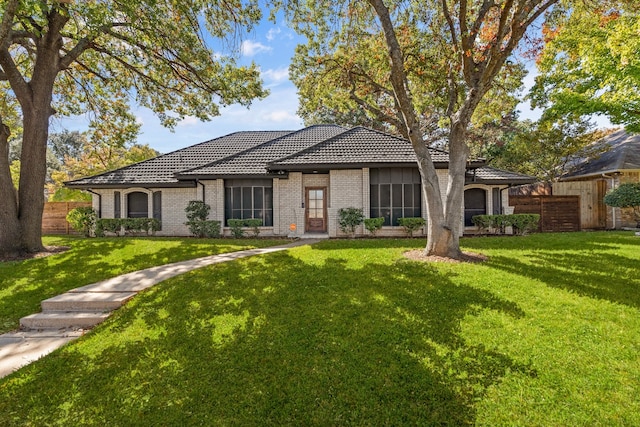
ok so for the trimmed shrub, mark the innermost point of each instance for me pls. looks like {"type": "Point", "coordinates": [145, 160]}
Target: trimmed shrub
{"type": "Point", "coordinates": [349, 219]}
{"type": "Point", "coordinates": [626, 196]}
{"type": "Point", "coordinates": [411, 224]}
{"type": "Point", "coordinates": [521, 223]}
{"type": "Point", "coordinates": [373, 224]}
{"type": "Point", "coordinates": [82, 219]}
{"type": "Point", "coordinates": [483, 222]}
{"type": "Point", "coordinates": [236, 227]}
{"type": "Point", "coordinates": [254, 224]}
{"type": "Point", "coordinates": [524, 223]}
{"type": "Point", "coordinates": [197, 212]}
{"type": "Point", "coordinates": [126, 226]}
{"type": "Point", "coordinates": [108, 225]}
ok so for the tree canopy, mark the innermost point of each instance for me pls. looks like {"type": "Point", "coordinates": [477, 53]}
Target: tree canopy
{"type": "Point", "coordinates": [425, 68]}
{"type": "Point", "coordinates": [545, 148]}
{"type": "Point", "coordinates": [590, 63]}
{"type": "Point", "coordinates": [74, 57]}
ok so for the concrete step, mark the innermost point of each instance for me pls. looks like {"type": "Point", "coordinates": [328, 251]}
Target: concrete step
{"type": "Point", "coordinates": [62, 320]}
{"type": "Point", "coordinates": [87, 301]}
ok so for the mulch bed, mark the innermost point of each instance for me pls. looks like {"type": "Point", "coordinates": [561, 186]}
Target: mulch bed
{"type": "Point", "coordinates": [419, 255]}
{"type": "Point", "coordinates": [48, 250]}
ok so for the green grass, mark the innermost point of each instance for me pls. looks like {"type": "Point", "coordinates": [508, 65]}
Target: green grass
{"type": "Point", "coordinates": [23, 284]}
{"type": "Point", "coordinates": [348, 332]}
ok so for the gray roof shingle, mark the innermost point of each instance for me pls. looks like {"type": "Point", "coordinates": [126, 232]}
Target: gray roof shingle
{"type": "Point", "coordinates": [259, 153]}
{"type": "Point", "coordinates": [160, 171]}
{"type": "Point", "coordinates": [254, 160]}
{"type": "Point", "coordinates": [491, 175]}
{"type": "Point", "coordinates": [355, 147]}
{"type": "Point", "coordinates": [619, 151]}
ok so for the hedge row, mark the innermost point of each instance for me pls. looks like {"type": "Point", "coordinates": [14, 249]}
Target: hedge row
{"type": "Point", "coordinates": [521, 223]}
{"type": "Point", "coordinates": [237, 226]}
{"type": "Point", "coordinates": [126, 226]}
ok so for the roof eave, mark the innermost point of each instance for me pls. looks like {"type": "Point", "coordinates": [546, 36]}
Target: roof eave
{"type": "Point", "coordinates": [179, 184]}
{"type": "Point", "coordinates": [359, 165]}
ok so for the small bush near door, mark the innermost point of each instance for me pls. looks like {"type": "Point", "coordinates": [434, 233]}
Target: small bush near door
{"type": "Point", "coordinates": [349, 219]}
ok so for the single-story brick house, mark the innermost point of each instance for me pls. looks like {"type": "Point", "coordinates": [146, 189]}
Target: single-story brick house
{"type": "Point", "coordinates": [617, 162]}
{"type": "Point", "coordinates": [295, 181]}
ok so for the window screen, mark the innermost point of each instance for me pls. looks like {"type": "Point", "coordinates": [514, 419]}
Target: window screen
{"type": "Point", "coordinates": [395, 193]}
{"type": "Point", "coordinates": [249, 198]}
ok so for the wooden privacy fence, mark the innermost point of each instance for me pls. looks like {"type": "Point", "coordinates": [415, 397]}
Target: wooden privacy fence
{"type": "Point", "coordinates": [557, 213]}
{"type": "Point", "coordinates": [54, 217]}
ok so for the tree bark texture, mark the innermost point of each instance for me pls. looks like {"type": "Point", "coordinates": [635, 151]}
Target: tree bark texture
{"type": "Point", "coordinates": [21, 217]}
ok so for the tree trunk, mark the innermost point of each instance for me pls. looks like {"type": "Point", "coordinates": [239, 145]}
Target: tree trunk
{"type": "Point", "coordinates": [33, 171]}
{"type": "Point", "coordinates": [21, 219]}
{"type": "Point", "coordinates": [9, 224]}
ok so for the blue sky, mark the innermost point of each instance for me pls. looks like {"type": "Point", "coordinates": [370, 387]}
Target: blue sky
{"type": "Point", "coordinates": [271, 46]}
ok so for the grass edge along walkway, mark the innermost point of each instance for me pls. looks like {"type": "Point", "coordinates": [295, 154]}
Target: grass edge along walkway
{"type": "Point", "coordinates": [20, 348]}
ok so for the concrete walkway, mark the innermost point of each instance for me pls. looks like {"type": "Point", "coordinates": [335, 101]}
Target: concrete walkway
{"type": "Point", "coordinates": [68, 316]}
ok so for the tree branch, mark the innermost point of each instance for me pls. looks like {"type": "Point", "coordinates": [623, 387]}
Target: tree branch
{"type": "Point", "coordinates": [7, 22]}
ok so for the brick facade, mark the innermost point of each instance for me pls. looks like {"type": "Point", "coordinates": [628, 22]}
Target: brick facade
{"type": "Point", "coordinates": [346, 188]}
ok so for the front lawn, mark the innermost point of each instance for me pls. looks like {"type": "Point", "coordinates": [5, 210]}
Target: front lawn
{"type": "Point", "coordinates": [23, 284]}
{"type": "Point", "coordinates": [349, 332]}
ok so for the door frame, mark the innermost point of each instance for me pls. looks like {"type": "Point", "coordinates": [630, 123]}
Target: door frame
{"type": "Point", "coordinates": [324, 208]}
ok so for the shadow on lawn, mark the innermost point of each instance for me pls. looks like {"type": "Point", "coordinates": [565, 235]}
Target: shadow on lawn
{"type": "Point", "coordinates": [24, 284]}
{"type": "Point", "coordinates": [276, 341]}
{"type": "Point", "coordinates": [608, 276]}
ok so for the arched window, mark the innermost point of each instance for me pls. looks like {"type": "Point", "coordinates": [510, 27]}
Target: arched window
{"type": "Point", "coordinates": [475, 203]}
{"type": "Point", "coordinates": [137, 205]}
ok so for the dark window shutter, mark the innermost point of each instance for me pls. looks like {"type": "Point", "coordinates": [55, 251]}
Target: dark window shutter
{"type": "Point", "coordinates": [157, 207]}
{"type": "Point", "coordinates": [116, 205]}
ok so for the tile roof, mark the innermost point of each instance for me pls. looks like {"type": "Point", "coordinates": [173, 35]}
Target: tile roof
{"type": "Point", "coordinates": [257, 153]}
{"type": "Point", "coordinates": [161, 170]}
{"type": "Point", "coordinates": [490, 175]}
{"type": "Point", "coordinates": [617, 151]}
{"type": "Point", "coordinates": [254, 160]}
{"type": "Point", "coordinates": [357, 146]}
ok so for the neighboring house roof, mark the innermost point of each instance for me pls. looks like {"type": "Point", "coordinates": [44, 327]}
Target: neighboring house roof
{"type": "Point", "coordinates": [160, 171]}
{"type": "Point", "coordinates": [619, 151]}
{"type": "Point", "coordinates": [490, 175]}
{"type": "Point", "coordinates": [255, 154]}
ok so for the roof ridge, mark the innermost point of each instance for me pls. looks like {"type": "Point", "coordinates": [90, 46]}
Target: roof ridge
{"type": "Point", "coordinates": [313, 146]}
{"type": "Point", "coordinates": [264, 144]}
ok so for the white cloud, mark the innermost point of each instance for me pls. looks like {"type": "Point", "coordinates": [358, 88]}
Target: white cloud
{"type": "Point", "coordinates": [278, 75]}
{"type": "Point", "coordinates": [280, 116]}
{"type": "Point", "coordinates": [272, 33]}
{"type": "Point", "coordinates": [250, 48]}
{"type": "Point", "coordinates": [189, 121]}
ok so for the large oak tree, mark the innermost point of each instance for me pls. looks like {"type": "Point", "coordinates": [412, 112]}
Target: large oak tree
{"type": "Point", "coordinates": [70, 57]}
{"type": "Point", "coordinates": [424, 67]}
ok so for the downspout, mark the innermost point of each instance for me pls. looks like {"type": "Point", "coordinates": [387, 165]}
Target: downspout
{"type": "Point", "coordinates": [99, 201]}
{"type": "Point", "coordinates": [613, 183]}
{"type": "Point", "coordinates": [198, 182]}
